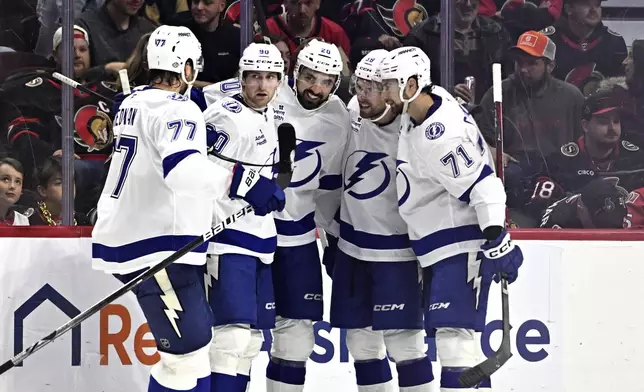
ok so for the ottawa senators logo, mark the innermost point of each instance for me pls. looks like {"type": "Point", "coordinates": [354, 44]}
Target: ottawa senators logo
{"type": "Point", "coordinates": [93, 128]}
{"type": "Point", "coordinates": [403, 16]}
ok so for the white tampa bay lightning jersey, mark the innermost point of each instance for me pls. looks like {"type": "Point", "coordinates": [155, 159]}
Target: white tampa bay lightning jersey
{"type": "Point", "coordinates": [371, 228]}
{"type": "Point", "coordinates": [150, 207]}
{"type": "Point", "coordinates": [447, 189]}
{"type": "Point", "coordinates": [313, 196]}
{"type": "Point", "coordinates": [246, 135]}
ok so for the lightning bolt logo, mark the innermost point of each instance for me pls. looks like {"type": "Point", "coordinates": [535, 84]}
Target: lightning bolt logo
{"type": "Point", "coordinates": [170, 299]}
{"type": "Point", "coordinates": [406, 186]}
{"type": "Point", "coordinates": [368, 162]}
{"type": "Point", "coordinates": [364, 165]}
{"type": "Point", "coordinates": [212, 268]}
{"type": "Point", "coordinates": [305, 149]}
{"type": "Point", "coordinates": [473, 267]}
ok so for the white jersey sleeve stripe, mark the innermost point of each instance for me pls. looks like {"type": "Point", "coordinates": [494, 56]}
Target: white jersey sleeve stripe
{"type": "Point", "coordinates": [485, 171]}
{"type": "Point", "coordinates": [146, 247]}
{"type": "Point", "coordinates": [240, 239]}
{"type": "Point", "coordinates": [426, 246]}
{"type": "Point", "coordinates": [171, 161]}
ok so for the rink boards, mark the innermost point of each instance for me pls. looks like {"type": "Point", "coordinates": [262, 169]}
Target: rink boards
{"type": "Point", "coordinates": [575, 312]}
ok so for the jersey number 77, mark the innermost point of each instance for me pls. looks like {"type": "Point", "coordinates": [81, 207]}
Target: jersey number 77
{"type": "Point", "coordinates": [124, 144]}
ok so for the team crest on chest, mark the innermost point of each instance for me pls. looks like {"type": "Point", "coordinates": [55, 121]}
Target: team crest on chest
{"type": "Point", "coordinates": [570, 149]}
{"type": "Point", "coordinates": [628, 146]}
{"type": "Point", "coordinates": [34, 83]}
{"type": "Point", "coordinates": [434, 131]}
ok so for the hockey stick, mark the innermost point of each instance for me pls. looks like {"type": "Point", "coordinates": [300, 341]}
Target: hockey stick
{"type": "Point", "coordinates": [126, 91]}
{"type": "Point", "coordinates": [287, 145]}
{"type": "Point", "coordinates": [261, 17]}
{"type": "Point", "coordinates": [474, 376]}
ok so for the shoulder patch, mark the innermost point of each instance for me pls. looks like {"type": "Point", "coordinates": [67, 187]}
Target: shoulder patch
{"type": "Point", "coordinates": [34, 83]}
{"type": "Point", "coordinates": [232, 106]}
{"type": "Point", "coordinates": [550, 30]}
{"type": "Point", "coordinates": [628, 146]}
{"type": "Point", "coordinates": [177, 97]}
{"type": "Point", "coordinates": [613, 32]}
{"type": "Point", "coordinates": [109, 86]}
{"type": "Point", "coordinates": [570, 149]}
{"type": "Point", "coordinates": [434, 131]}
{"type": "Point", "coordinates": [356, 123]}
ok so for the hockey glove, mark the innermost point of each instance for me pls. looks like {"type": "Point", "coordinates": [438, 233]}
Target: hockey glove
{"type": "Point", "coordinates": [328, 258]}
{"type": "Point", "coordinates": [260, 192]}
{"type": "Point", "coordinates": [501, 256]}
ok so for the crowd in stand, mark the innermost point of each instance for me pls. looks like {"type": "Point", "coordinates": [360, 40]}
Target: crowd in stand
{"type": "Point", "coordinates": [573, 91]}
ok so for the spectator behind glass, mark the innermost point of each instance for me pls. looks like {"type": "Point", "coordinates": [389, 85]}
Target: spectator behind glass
{"type": "Point", "coordinates": [50, 16]}
{"type": "Point", "coordinates": [599, 151]}
{"type": "Point", "coordinates": [479, 42]}
{"type": "Point", "coordinates": [219, 39]}
{"type": "Point", "coordinates": [601, 148]}
{"type": "Point", "coordinates": [114, 29]}
{"type": "Point", "coordinates": [50, 189]}
{"type": "Point", "coordinates": [162, 11]}
{"type": "Point", "coordinates": [540, 114]}
{"type": "Point", "coordinates": [600, 205]}
{"type": "Point", "coordinates": [11, 177]}
{"type": "Point", "coordinates": [634, 69]}
{"type": "Point", "coordinates": [30, 112]}
{"type": "Point", "coordinates": [520, 16]}
{"type": "Point", "coordinates": [584, 44]}
{"type": "Point", "coordinates": [300, 21]}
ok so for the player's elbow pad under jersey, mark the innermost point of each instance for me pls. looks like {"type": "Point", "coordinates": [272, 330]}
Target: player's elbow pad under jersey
{"type": "Point", "coordinates": [196, 174]}
{"type": "Point", "coordinates": [488, 199]}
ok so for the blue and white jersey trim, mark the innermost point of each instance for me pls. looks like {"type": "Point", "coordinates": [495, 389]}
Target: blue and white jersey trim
{"type": "Point", "coordinates": [374, 247]}
{"type": "Point", "coordinates": [144, 253]}
{"type": "Point", "coordinates": [445, 243]}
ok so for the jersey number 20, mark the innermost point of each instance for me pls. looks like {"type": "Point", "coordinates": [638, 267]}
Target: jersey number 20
{"type": "Point", "coordinates": [127, 145]}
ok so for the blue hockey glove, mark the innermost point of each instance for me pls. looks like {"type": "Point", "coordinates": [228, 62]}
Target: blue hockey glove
{"type": "Point", "coordinates": [501, 256]}
{"type": "Point", "coordinates": [260, 192]}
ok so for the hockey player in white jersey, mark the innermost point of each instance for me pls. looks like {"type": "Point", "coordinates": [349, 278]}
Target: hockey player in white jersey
{"type": "Point", "coordinates": [454, 207]}
{"type": "Point", "coordinates": [158, 196]}
{"type": "Point", "coordinates": [322, 125]}
{"type": "Point", "coordinates": [239, 281]}
{"type": "Point", "coordinates": [377, 291]}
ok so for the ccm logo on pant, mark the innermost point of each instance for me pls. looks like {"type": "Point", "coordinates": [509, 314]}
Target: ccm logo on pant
{"type": "Point", "coordinates": [388, 307]}
{"type": "Point", "coordinates": [270, 306]}
{"type": "Point", "coordinates": [313, 297]}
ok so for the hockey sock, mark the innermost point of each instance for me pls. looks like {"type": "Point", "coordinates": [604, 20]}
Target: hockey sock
{"type": "Point", "coordinates": [242, 382]}
{"type": "Point", "coordinates": [220, 382]}
{"type": "Point", "coordinates": [203, 385]}
{"type": "Point", "coordinates": [154, 386]}
{"type": "Point", "coordinates": [373, 376]}
{"type": "Point", "coordinates": [285, 376]}
{"type": "Point", "coordinates": [450, 383]}
{"type": "Point", "coordinates": [415, 376]}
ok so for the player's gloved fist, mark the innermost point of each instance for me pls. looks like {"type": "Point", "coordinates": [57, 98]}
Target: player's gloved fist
{"type": "Point", "coordinates": [260, 192]}
{"type": "Point", "coordinates": [501, 256]}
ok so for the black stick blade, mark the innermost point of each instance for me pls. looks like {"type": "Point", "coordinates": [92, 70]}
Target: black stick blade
{"type": "Point", "coordinates": [6, 366]}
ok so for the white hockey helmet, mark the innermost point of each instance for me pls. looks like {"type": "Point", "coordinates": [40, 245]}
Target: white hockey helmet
{"type": "Point", "coordinates": [404, 63]}
{"type": "Point", "coordinates": [262, 57]}
{"type": "Point", "coordinates": [170, 48]}
{"type": "Point", "coordinates": [321, 57]}
{"type": "Point", "coordinates": [369, 67]}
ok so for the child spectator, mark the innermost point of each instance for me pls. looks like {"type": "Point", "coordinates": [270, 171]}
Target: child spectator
{"type": "Point", "coordinates": [11, 178]}
{"type": "Point", "coordinates": [50, 189]}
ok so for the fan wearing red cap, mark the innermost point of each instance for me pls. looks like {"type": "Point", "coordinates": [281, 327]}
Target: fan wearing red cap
{"type": "Point", "coordinates": [81, 50]}
{"type": "Point", "coordinates": [601, 149]}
